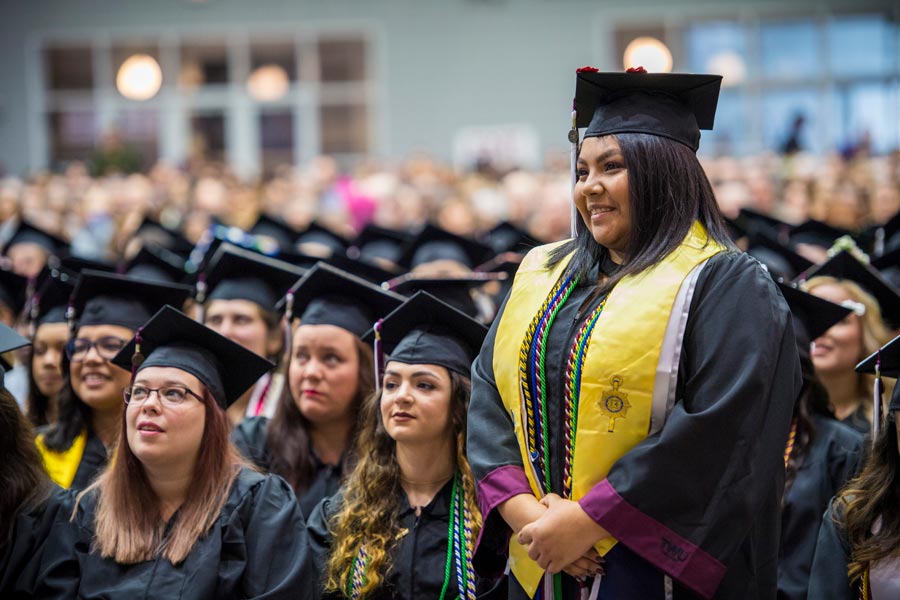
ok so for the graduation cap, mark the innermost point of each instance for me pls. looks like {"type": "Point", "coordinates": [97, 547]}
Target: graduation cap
{"type": "Point", "coordinates": [378, 242]}
{"type": "Point", "coordinates": [76, 264]}
{"type": "Point", "coordinates": [155, 232]}
{"type": "Point", "coordinates": [434, 243]}
{"type": "Point", "coordinates": [816, 233]}
{"type": "Point", "coordinates": [283, 234]}
{"type": "Point", "coordinates": [9, 340]}
{"type": "Point", "coordinates": [156, 263]}
{"type": "Point", "coordinates": [751, 222]}
{"type": "Point", "coordinates": [328, 296]}
{"type": "Point", "coordinates": [889, 266]}
{"type": "Point", "coordinates": [26, 233]}
{"type": "Point", "coordinates": [172, 339]}
{"type": "Point", "coordinates": [816, 315]}
{"type": "Point", "coordinates": [108, 299]}
{"type": "Point", "coordinates": [735, 230]}
{"type": "Point", "coordinates": [671, 105]}
{"type": "Point", "coordinates": [362, 268]}
{"type": "Point", "coordinates": [238, 274]}
{"type": "Point", "coordinates": [13, 291]}
{"type": "Point", "coordinates": [51, 296]}
{"type": "Point", "coordinates": [506, 237]}
{"type": "Point", "coordinates": [424, 330]}
{"type": "Point", "coordinates": [844, 265]}
{"type": "Point", "coordinates": [781, 261]}
{"type": "Point", "coordinates": [883, 362]}
{"type": "Point", "coordinates": [322, 236]}
{"type": "Point", "coordinates": [455, 291]}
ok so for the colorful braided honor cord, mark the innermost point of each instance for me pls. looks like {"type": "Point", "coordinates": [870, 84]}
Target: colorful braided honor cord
{"type": "Point", "coordinates": [792, 437]}
{"type": "Point", "coordinates": [532, 379]}
{"type": "Point", "coordinates": [574, 367]}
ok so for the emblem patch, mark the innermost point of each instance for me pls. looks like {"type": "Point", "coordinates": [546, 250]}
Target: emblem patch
{"type": "Point", "coordinates": [614, 403]}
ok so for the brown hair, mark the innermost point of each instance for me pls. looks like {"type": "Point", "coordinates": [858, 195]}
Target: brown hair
{"type": "Point", "coordinates": [873, 495]}
{"type": "Point", "coordinates": [128, 525]}
{"type": "Point", "coordinates": [369, 511]}
{"type": "Point", "coordinates": [287, 437]}
{"type": "Point", "coordinates": [22, 476]}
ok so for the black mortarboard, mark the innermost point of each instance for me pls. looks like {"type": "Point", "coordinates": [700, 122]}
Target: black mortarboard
{"type": "Point", "coordinates": [107, 299]}
{"type": "Point", "coordinates": [506, 237]}
{"type": "Point", "coordinates": [735, 230]}
{"type": "Point", "coordinates": [283, 234]}
{"type": "Point", "coordinates": [434, 243]}
{"type": "Point", "coordinates": [51, 296]}
{"type": "Point", "coordinates": [361, 268]}
{"type": "Point", "coordinates": [884, 362]}
{"type": "Point", "coordinates": [845, 266]}
{"type": "Point", "coordinates": [9, 340]}
{"type": "Point", "coordinates": [816, 315]}
{"type": "Point", "coordinates": [238, 274]}
{"type": "Point", "coordinates": [455, 291]}
{"type": "Point", "coordinates": [75, 265]}
{"type": "Point", "coordinates": [27, 233]}
{"type": "Point", "coordinates": [172, 339]}
{"type": "Point", "coordinates": [328, 296]}
{"type": "Point", "coordinates": [425, 330]}
{"type": "Point", "coordinates": [781, 261]}
{"type": "Point", "coordinates": [816, 233]}
{"type": "Point", "coordinates": [13, 290]}
{"type": "Point", "coordinates": [155, 232]}
{"type": "Point", "coordinates": [671, 105]}
{"type": "Point", "coordinates": [316, 234]}
{"type": "Point", "coordinates": [889, 266]}
{"type": "Point", "coordinates": [751, 221]}
{"type": "Point", "coordinates": [156, 263]}
{"type": "Point", "coordinates": [378, 242]}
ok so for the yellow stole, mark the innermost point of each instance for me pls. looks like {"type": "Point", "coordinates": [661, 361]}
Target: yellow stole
{"type": "Point", "coordinates": [619, 371]}
{"type": "Point", "coordinates": [62, 466]}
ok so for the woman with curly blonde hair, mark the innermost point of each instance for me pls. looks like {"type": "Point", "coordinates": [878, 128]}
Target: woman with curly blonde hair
{"type": "Point", "coordinates": [836, 352]}
{"type": "Point", "coordinates": [405, 523]}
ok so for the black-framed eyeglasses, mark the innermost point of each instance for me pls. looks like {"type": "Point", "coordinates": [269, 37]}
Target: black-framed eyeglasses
{"type": "Point", "coordinates": [107, 347]}
{"type": "Point", "coordinates": [170, 395]}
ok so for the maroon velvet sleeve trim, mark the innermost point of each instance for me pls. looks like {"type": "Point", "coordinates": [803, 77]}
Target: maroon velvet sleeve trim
{"type": "Point", "coordinates": [681, 559]}
{"type": "Point", "coordinates": [497, 487]}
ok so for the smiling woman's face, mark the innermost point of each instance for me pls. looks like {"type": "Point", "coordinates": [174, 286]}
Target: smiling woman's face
{"type": "Point", "coordinates": [840, 348]}
{"type": "Point", "coordinates": [602, 195]}
{"type": "Point", "coordinates": [95, 380]}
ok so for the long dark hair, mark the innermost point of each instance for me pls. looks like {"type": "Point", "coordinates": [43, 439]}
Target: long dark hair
{"type": "Point", "coordinates": [72, 418]}
{"type": "Point", "coordinates": [22, 476]}
{"type": "Point", "coordinates": [287, 436]}
{"type": "Point", "coordinates": [669, 191]}
{"type": "Point", "coordinates": [37, 405]}
{"type": "Point", "coordinates": [874, 495]}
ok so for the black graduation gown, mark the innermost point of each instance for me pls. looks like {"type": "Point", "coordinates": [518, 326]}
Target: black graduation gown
{"type": "Point", "coordinates": [418, 562]}
{"type": "Point", "coordinates": [858, 421]}
{"type": "Point", "coordinates": [257, 548]}
{"type": "Point", "coordinates": [250, 439]}
{"type": "Point", "coordinates": [20, 555]}
{"type": "Point", "coordinates": [831, 460]}
{"type": "Point", "coordinates": [703, 492]}
{"type": "Point", "coordinates": [93, 461]}
{"type": "Point", "coordinates": [828, 578]}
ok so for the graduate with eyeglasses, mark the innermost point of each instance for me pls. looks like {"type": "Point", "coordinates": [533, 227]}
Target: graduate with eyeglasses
{"type": "Point", "coordinates": [108, 309]}
{"type": "Point", "coordinates": [178, 513]}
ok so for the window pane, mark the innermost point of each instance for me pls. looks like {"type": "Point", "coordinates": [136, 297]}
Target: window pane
{"type": "Point", "coordinates": [139, 130]}
{"type": "Point", "coordinates": [344, 129]}
{"type": "Point", "coordinates": [276, 132]}
{"type": "Point", "coordinates": [860, 45]}
{"type": "Point", "coordinates": [790, 50]}
{"type": "Point", "coordinates": [69, 68]}
{"type": "Point", "coordinates": [274, 53]}
{"type": "Point", "coordinates": [781, 110]}
{"type": "Point", "coordinates": [208, 137]}
{"type": "Point", "coordinates": [707, 41]}
{"type": "Point", "coordinates": [71, 135]}
{"type": "Point", "coordinates": [342, 59]}
{"type": "Point", "coordinates": [203, 64]}
{"type": "Point", "coordinates": [729, 131]}
{"type": "Point", "coordinates": [865, 116]}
